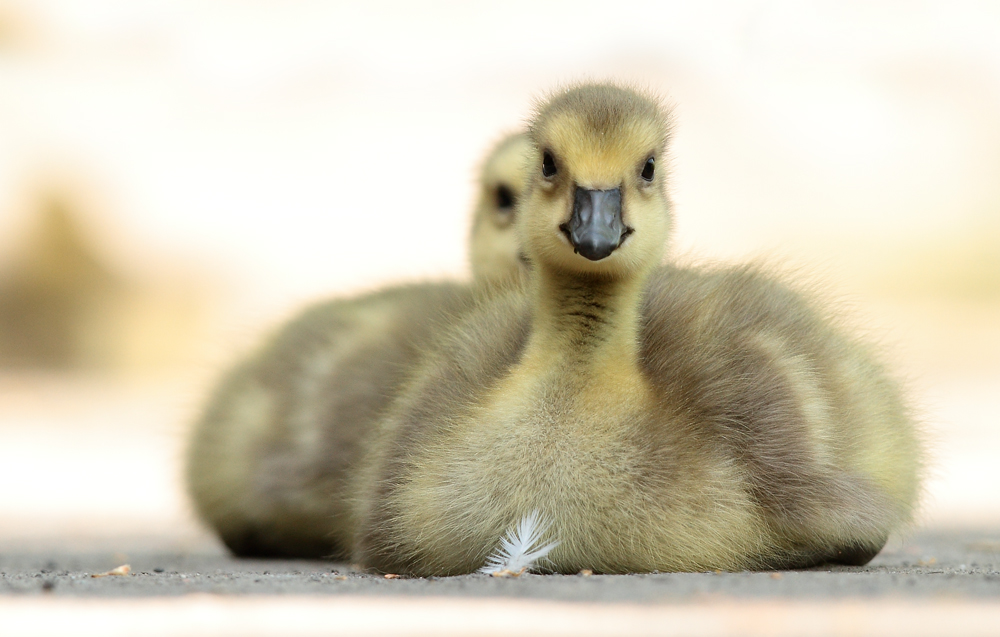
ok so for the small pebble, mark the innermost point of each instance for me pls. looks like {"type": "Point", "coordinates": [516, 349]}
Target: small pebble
{"type": "Point", "coordinates": [157, 570]}
{"type": "Point", "coordinates": [122, 570]}
{"type": "Point", "coordinates": [48, 586]}
{"type": "Point", "coordinates": [391, 576]}
{"type": "Point", "coordinates": [586, 572]}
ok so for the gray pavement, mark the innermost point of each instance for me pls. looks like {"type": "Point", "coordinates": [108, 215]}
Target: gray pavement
{"type": "Point", "coordinates": [949, 564]}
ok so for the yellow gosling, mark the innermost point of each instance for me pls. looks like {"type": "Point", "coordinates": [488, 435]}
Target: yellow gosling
{"type": "Point", "coordinates": [657, 418]}
{"type": "Point", "coordinates": [268, 460]}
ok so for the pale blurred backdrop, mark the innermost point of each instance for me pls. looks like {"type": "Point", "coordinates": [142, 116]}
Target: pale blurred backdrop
{"type": "Point", "coordinates": [175, 177]}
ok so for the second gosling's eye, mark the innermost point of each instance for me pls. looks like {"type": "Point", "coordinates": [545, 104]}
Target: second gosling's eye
{"type": "Point", "coordinates": [505, 198]}
{"type": "Point", "coordinates": [548, 164]}
{"type": "Point", "coordinates": [649, 169]}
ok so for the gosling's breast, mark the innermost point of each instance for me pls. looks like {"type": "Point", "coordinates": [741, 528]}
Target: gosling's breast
{"type": "Point", "coordinates": [550, 448]}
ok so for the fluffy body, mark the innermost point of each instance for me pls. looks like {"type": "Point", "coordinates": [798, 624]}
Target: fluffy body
{"type": "Point", "coordinates": [268, 463]}
{"type": "Point", "coordinates": [662, 418]}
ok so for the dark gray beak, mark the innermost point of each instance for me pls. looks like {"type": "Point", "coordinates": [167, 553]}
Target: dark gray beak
{"type": "Point", "coordinates": [596, 228]}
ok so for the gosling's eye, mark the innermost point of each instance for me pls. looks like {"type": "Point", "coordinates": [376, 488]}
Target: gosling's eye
{"type": "Point", "coordinates": [648, 169]}
{"type": "Point", "coordinates": [505, 198]}
{"type": "Point", "coordinates": [548, 164]}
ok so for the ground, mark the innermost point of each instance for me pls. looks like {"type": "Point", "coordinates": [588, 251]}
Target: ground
{"type": "Point", "coordinates": [929, 583]}
{"type": "Point", "coordinates": [930, 564]}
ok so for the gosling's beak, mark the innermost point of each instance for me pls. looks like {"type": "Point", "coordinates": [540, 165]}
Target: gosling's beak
{"type": "Point", "coordinates": [596, 229]}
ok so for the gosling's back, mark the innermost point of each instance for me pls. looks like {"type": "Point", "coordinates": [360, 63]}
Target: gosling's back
{"type": "Point", "coordinates": [269, 458]}
{"type": "Point", "coordinates": [832, 453]}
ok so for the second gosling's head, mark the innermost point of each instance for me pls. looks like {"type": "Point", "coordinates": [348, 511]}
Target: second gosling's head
{"type": "Point", "coordinates": [494, 249]}
{"type": "Point", "coordinates": [596, 200]}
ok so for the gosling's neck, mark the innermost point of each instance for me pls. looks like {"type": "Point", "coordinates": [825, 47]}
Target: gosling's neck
{"type": "Point", "coordinates": [587, 321]}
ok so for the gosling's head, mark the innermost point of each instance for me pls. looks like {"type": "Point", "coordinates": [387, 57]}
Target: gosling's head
{"type": "Point", "coordinates": [494, 248]}
{"type": "Point", "coordinates": [596, 200]}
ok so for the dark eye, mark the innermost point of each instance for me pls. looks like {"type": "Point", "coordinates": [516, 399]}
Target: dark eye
{"type": "Point", "coordinates": [505, 198]}
{"type": "Point", "coordinates": [648, 169]}
{"type": "Point", "coordinates": [548, 164]}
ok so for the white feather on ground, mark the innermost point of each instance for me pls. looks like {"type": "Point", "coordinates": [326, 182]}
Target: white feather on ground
{"type": "Point", "coordinates": [519, 551]}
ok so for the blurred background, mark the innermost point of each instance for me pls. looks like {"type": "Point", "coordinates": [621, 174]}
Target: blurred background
{"type": "Point", "coordinates": [176, 177]}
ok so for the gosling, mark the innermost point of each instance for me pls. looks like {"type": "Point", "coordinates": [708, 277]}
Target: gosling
{"type": "Point", "coordinates": [660, 419]}
{"type": "Point", "coordinates": [269, 459]}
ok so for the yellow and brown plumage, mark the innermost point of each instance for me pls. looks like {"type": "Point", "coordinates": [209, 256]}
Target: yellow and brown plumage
{"type": "Point", "coordinates": [660, 418]}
